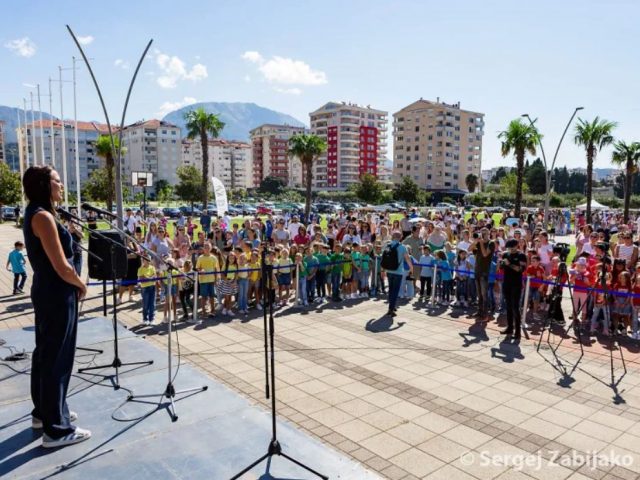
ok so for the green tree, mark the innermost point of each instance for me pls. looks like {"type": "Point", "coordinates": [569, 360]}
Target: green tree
{"type": "Point", "coordinates": [369, 189]}
{"type": "Point", "coordinates": [100, 185]}
{"type": "Point", "coordinates": [627, 155]}
{"type": "Point", "coordinates": [577, 182]}
{"type": "Point", "coordinates": [189, 187]}
{"type": "Point", "coordinates": [519, 138]}
{"type": "Point", "coordinates": [271, 185]}
{"type": "Point", "coordinates": [499, 175]}
{"type": "Point", "coordinates": [164, 190]}
{"type": "Point", "coordinates": [407, 191]}
{"type": "Point", "coordinates": [203, 125]}
{"type": "Point", "coordinates": [10, 191]}
{"type": "Point", "coordinates": [535, 178]}
{"type": "Point", "coordinates": [471, 181]}
{"type": "Point", "coordinates": [509, 185]}
{"type": "Point", "coordinates": [561, 180]}
{"type": "Point", "coordinates": [593, 136]}
{"type": "Point", "coordinates": [307, 148]}
{"type": "Point", "coordinates": [104, 150]}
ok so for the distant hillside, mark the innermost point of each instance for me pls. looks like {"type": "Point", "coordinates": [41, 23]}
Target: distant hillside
{"type": "Point", "coordinates": [10, 116]}
{"type": "Point", "coordinates": [239, 118]}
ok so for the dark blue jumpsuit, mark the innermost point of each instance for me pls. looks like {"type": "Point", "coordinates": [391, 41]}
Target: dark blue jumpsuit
{"type": "Point", "coordinates": [55, 303]}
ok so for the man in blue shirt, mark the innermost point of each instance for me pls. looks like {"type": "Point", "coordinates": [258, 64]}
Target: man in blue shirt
{"type": "Point", "coordinates": [395, 276]}
{"type": "Point", "coordinates": [205, 221]}
{"type": "Point", "coordinates": [17, 262]}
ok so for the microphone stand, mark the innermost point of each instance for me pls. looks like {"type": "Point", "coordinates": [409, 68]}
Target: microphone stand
{"type": "Point", "coordinates": [274, 445]}
{"type": "Point", "coordinates": [169, 392]}
{"type": "Point", "coordinates": [116, 363]}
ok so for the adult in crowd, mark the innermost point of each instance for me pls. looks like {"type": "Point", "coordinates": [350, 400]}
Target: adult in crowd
{"type": "Point", "coordinates": [483, 249]}
{"type": "Point", "coordinates": [55, 293]}
{"type": "Point", "coordinates": [514, 262]}
{"type": "Point", "coordinates": [394, 275]}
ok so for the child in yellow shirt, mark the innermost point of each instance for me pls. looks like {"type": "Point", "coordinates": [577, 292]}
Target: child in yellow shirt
{"type": "Point", "coordinates": [146, 276]}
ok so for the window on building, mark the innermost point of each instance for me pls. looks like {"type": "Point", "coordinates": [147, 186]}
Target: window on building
{"type": "Point", "coordinates": [428, 176]}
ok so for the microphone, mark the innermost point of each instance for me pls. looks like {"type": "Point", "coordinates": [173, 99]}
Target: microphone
{"type": "Point", "coordinates": [91, 208]}
{"type": "Point", "coordinates": [66, 215]}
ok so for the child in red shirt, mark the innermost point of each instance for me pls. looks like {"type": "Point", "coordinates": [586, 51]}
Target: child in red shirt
{"type": "Point", "coordinates": [536, 272]}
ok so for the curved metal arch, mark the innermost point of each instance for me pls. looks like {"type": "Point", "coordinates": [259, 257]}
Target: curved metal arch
{"type": "Point", "coordinates": [116, 154]}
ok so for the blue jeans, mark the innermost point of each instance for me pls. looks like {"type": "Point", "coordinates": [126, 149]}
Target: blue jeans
{"type": "Point", "coordinates": [311, 289]}
{"type": "Point", "coordinates": [148, 303]}
{"type": "Point", "coordinates": [243, 292]}
{"type": "Point", "coordinates": [335, 285]}
{"type": "Point", "coordinates": [77, 263]}
{"type": "Point", "coordinates": [302, 287]}
{"type": "Point", "coordinates": [394, 289]}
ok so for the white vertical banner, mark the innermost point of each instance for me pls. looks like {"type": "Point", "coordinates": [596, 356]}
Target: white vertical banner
{"type": "Point", "coordinates": [221, 196]}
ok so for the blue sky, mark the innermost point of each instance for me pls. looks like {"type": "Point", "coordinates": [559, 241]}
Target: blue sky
{"type": "Point", "coordinates": [502, 58]}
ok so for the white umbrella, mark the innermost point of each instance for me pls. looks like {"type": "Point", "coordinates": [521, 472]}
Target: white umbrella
{"type": "Point", "coordinates": [418, 219]}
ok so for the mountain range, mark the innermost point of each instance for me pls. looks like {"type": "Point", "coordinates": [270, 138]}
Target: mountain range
{"type": "Point", "coordinates": [239, 118]}
{"type": "Point", "coordinates": [9, 115]}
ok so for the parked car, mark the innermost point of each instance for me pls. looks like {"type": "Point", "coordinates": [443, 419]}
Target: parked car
{"type": "Point", "coordinates": [188, 210]}
{"type": "Point", "coordinates": [8, 213]}
{"type": "Point", "coordinates": [443, 206]}
{"type": "Point", "coordinates": [171, 212]}
{"type": "Point", "coordinates": [247, 209]}
{"type": "Point", "coordinates": [264, 210]}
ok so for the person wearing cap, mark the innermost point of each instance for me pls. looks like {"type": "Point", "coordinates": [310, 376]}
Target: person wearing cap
{"type": "Point", "coordinates": [513, 263]}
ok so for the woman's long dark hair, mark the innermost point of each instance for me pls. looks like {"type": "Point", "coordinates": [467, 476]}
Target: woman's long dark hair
{"type": "Point", "coordinates": [37, 186]}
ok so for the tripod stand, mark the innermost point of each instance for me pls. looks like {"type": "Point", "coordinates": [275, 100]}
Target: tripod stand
{"type": "Point", "coordinates": [274, 447]}
{"type": "Point", "coordinates": [170, 391]}
{"type": "Point", "coordinates": [556, 313]}
{"type": "Point", "coordinates": [116, 363]}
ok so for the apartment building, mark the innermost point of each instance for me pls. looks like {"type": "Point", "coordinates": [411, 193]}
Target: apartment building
{"type": "Point", "coordinates": [3, 156]}
{"type": "Point", "coordinates": [437, 144]}
{"type": "Point", "coordinates": [49, 147]}
{"type": "Point", "coordinates": [269, 144]}
{"type": "Point", "coordinates": [356, 139]}
{"type": "Point", "coordinates": [230, 161]}
{"type": "Point", "coordinates": [152, 146]}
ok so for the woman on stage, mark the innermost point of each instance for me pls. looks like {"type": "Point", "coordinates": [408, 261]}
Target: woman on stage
{"type": "Point", "coordinates": [55, 293]}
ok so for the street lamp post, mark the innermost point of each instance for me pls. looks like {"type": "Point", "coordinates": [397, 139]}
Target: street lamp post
{"type": "Point", "coordinates": [53, 145]}
{"type": "Point", "coordinates": [549, 171]}
{"type": "Point", "coordinates": [64, 144]}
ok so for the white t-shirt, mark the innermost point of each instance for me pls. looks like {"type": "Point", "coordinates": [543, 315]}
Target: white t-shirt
{"type": "Point", "coordinates": [545, 252]}
{"type": "Point", "coordinates": [464, 245]}
{"type": "Point", "coordinates": [130, 223]}
{"type": "Point", "coordinates": [293, 229]}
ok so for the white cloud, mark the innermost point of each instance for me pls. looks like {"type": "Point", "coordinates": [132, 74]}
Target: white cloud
{"type": "Point", "coordinates": [23, 47]}
{"type": "Point", "coordinates": [174, 69]}
{"type": "Point", "coordinates": [289, 91]}
{"type": "Point", "coordinates": [120, 63]}
{"type": "Point", "coordinates": [86, 40]}
{"type": "Point", "coordinates": [253, 57]}
{"type": "Point", "coordinates": [168, 107]}
{"type": "Point", "coordinates": [285, 71]}
{"type": "Point", "coordinates": [247, 78]}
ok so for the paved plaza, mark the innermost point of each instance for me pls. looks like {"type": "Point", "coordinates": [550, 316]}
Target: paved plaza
{"type": "Point", "coordinates": [432, 395]}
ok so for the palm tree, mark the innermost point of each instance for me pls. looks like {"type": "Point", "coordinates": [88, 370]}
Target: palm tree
{"type": "Point", "coordinates": [307, 148]}
{"type": "Point", "coordinates": [593, 136]}
{"type": "Point", "coordinates": [203, 125]}
{"type": "Point", "coordinates": [627, 155]}
{"type": "Point", "coordinates": [472, 182]}
{"type": "Point", "coordinates": [519, 138]}
{"type": "Point", "coordinates": [104, 150]}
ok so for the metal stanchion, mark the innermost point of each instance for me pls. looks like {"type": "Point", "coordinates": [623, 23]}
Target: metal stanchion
{"type": "Point", "coordinates": [525, 304]}
{"type": "Point", "coordinates": [435, 285]}
{"type": "Point", "coordinates": [196, 299]}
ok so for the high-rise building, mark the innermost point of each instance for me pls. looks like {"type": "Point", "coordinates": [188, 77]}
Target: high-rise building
{"type": "Point", "coordinates": [152, 146]}
{"type": "Point", "coordinates": [229, 161]}
{"type": "Point", "coordinates": [437, 145]}
{"type": "Point", "coordinates": [270, 159]}
{"type": "Point", "coordinates": [356, 139]}
{"type": "Point", "coordinates": [3, 157]}
{"type": "Point", "coordinates": [48, 134]}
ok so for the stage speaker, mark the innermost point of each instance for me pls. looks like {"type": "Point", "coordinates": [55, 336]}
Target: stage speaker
{"type": "Point", "coordinates": [110, 264]}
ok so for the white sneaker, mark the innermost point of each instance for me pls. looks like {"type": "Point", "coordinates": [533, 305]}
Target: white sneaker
{"type": "Point", "coordinates": [36, 423]}
{"type": "Point", "coordinates": [80, 435]}
{"type": "Point", "coordinates": [259, 306]}
{"type": "Point", "coordinates": [229, 313]}
{"type": "Point", "coordinates": [318, 300]}
{"type": "Point", "coordinates": [224, 311]}
{"type": "Point", "coordinates": [364, 295]}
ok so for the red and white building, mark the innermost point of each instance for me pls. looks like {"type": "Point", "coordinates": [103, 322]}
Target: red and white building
{"type": "Point", "coordinates": [356, 139]}
{"type": "Point", "coordinates": [270, 144]}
